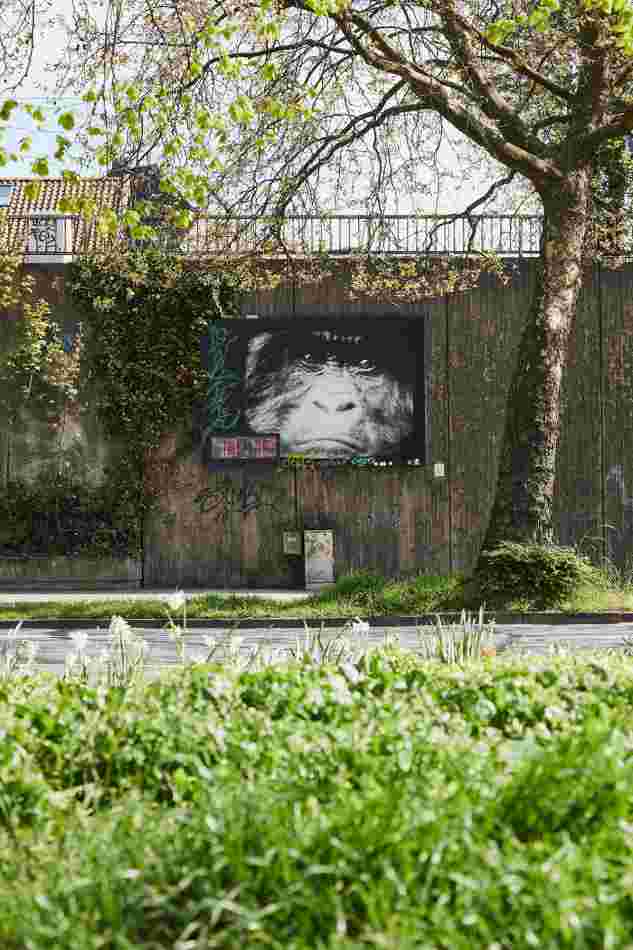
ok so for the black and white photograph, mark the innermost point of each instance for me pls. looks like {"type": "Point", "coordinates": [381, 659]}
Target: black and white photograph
{"type": "Point", "coordinates": [332, 388]}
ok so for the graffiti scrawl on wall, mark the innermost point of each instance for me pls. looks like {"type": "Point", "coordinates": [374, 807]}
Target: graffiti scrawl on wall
{"type": "Point", "coordinates": [220, 382]}
{"type": "Point", "coordinates": [332, 388]}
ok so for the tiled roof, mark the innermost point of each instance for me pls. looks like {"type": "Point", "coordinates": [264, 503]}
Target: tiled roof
{"type": "Point", "coordinates": [111, 193]}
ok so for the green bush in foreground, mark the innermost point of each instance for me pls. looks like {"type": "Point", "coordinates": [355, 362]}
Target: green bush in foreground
{"type": "Point", "coordinates": [534, 574]}
{"type": "Point", "coordinates": [383, 802]}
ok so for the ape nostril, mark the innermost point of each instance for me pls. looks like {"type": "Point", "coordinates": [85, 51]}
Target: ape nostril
{"type": "Point", "coordinates": [320, 405]}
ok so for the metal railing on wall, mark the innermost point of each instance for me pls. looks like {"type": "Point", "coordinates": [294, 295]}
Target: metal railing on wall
{"type": "Point", "coordinates": [516, 236]}
{"type": "Point", "coordinates": [396, 234]}
{"type": "Point", "coordinates": [47, 234]}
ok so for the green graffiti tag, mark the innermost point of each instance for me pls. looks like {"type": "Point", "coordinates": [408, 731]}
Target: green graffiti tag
{"type": "Point", "coordinates": [221, 381]}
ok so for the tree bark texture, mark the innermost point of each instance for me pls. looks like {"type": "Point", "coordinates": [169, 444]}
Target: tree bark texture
{"type": "Point", "coordinates": [522, 510]}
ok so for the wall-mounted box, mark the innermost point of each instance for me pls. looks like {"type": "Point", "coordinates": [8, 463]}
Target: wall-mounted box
{"type": "Point", "coordinates": [319, 557]}
{"type": "Point", "coordinates": [292, 542]}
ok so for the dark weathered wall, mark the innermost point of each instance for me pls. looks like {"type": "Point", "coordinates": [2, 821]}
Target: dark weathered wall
{"type": "Point", "coordinates": [404, 520]}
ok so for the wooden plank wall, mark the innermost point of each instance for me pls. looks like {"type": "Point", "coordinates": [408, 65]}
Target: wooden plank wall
{"type": "Point", "coordinates": [617, 366]}
{"type": "Point", "coordinates": [403, 521]}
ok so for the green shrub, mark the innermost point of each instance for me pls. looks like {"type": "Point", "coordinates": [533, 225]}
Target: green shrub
{"type": "Point", "coordinates": [535, 574]}
{"type": "Point", "coordinates": [359, 582]}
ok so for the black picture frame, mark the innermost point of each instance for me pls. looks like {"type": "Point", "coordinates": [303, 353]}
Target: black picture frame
{"type": "Point", "coordinates": [400, 346]}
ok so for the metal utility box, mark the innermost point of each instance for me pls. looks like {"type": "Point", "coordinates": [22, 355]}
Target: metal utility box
{"type": "Point", "coordinates": [319, 557]}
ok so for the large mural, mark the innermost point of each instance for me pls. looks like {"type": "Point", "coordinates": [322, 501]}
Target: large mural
{"type": "Point", "coordinates": [331, 388]}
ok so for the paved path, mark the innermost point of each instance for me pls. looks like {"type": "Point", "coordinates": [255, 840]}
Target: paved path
{"type": "Point", "coordinates": [54, 643]}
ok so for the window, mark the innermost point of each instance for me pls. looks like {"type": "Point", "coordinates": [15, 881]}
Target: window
{"type": "Point", "coordinates": [5, 195]}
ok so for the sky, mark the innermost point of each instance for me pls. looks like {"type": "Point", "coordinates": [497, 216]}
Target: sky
{"type": "Point", "coordinates": [453, 196]}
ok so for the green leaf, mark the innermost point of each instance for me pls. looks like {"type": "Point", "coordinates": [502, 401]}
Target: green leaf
{"type": "Point", "coordinates": [67, 205]}
{"type": "Point", "coordinates": [107, 222]}
{"type": "Point", "coordinates": [103, 155]}
{"type": "Point", "coordinates": [7, 109]}
{"type": "Point", "coordinates": [67, 121]}
{"type": "Point", "coordinates": [62, 145]}
{"type": "Point", "coordinates": [183, 219]}
{"type": "Point", "coordinates": [203, 119]}
{"type": "Point", "coordinates": [25, 144]}
{"type": "Point", "coordinates": [90, 96]}
{"type": "Point", "coordinates": [131, 218]}
{"type": "Point", "coordinates": [32, 189]}
{"type": "Point", "coordinates": [40, 167]}
{"type": "Point", "coordinates": [241, 110]}
{"type": "Point", "coordinates": [35, 112]}
{"type": "Point", "coordinates": [270, 71]}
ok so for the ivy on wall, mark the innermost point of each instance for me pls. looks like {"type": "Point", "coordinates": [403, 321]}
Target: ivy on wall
{"type": "Point", "coordinates": [39, 372]}
{"type": "Point", "coordinates": [144, 314]}
{"type": "Point", "coordinates": [136, 365]}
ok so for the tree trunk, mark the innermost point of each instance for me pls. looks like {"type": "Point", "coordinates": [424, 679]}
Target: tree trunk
{"type": "Point", "coordinates": [522, 508]}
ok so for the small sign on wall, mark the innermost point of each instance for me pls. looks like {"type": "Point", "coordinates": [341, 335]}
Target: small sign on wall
{"type": "Point", "coordinates": [292, 542]}
{"type": "Point", "coordinates": [319, 557]}
{"type": "Point", "coordinates": [252, 448]}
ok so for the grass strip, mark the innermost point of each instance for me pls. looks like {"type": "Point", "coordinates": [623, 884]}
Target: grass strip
{"type": "Point", "coordinates": [361, 594]}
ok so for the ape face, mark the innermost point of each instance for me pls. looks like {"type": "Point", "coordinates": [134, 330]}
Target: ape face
{"type": "Point", "coordinates": [324, 403]}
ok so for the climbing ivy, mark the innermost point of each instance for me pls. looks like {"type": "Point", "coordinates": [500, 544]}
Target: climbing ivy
{"type": "Point", "coordinates": [144, 312]}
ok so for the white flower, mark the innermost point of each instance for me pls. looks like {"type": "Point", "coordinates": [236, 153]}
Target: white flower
{"type": "Point", "coordinates": [31, 650]}
{"type": "Point", "coordinates": [341, 692]}
{"type": "Point", "coordinates": [218, 734]}
{"type": "Point", "coordinates": [140, 647]}
{"type": "Point", "coordinates": [80, 639]}
{"type": "Point", "coordinates": [119, 627]}
{"type": "Point", "coordinates": [315, 696]}
{"type": "Point", "coordinates": [350, 672]}
{"type": "Point", "coordinates": [176, 601]}
{"type": "Point", "coordinates": [360, 626]}
{"type": "Point", "coordinates": [219, 686]}
{"type": "Point", "coordinates": [12, 634]}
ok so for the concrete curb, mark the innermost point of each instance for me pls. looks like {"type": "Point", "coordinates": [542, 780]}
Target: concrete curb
{"type": "Point", "coordinates": [314, 624]}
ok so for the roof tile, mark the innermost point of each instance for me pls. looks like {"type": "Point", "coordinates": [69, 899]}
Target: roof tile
{"type": "Point", "coordinates": [111, 193]}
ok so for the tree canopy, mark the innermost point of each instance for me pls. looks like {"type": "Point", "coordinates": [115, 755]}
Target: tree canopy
{"type": "Point", "coordinates": [266, 106]}
{"type": "Point", "coordinates": [260, 105]}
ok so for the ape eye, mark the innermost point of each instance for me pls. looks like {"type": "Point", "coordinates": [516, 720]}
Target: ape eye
{"type": "Point", "coordinates": [347, 406]}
